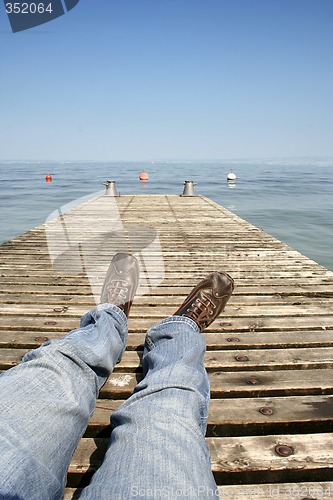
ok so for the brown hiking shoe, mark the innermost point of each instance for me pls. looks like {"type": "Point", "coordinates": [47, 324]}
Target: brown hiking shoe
{"type": "Point", "coordinates": [207, 300]}
{"type": "Point", "coordinates": [121, 282]}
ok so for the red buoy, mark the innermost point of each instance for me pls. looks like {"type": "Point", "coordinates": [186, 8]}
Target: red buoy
{"type": "Point", "coordinates": [48, 178]}
{"type": "Point", "coordinates": [144, 177]}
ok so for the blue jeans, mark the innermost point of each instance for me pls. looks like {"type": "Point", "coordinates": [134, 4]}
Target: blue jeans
{"type": "Point", "coordinates": [157, 447]}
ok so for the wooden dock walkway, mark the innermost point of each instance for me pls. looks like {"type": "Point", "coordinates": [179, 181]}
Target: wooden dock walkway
{"type": "Point", "coordinates": [269, 356]}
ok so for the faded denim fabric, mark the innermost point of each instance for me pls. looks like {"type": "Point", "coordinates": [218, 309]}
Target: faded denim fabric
{"type": "Point", "coordinates": [157, 448]}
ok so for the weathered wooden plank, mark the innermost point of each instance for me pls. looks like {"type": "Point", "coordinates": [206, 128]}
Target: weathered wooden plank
{"type": "Point", "coordinates": [250, 259]}
{"type": "Point", "coordinates": [187, 279]}
{"type": "Point", "coordinates": [77, 291]}
{"type": "Point", "coordinates": [241, 384]}
{"type": "Point", "coordinates": [264, 415]}
{"type": "Point", "coordinates": [214, 341]}
{"type": "Point", "coordinates": [270, 415]}
{"type": "Point", "coordinates": [14, 275]}
{"type": "Point", "coordinates": [244, 239]}
{"type": "Point", "coordinates": [166, 300]}
{"type": "Point", "coordinates": [173, 256]}
{"type": "Point", "coordinates": [10, 357]}
{"type": "Point", "coordinates": [120, 385]}
{"type": "Point", "coordinates": [236, 459]}
{"type": "Point", "coordinates": [162, 306]}
{"type": "Point", "coordinates": [163, 311]}
{"type": "Point", "coordinates": [58, 322]}
{"type": "Point", "coordinates": [237, 360]}
{"type": "Point", "coordinates": [280, 491]}
{"type": "Point", "coordinates": [258, 255]}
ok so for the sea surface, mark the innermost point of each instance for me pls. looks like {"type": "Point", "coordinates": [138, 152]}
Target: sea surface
{"type": "Point", "coordinates": [288, 198]}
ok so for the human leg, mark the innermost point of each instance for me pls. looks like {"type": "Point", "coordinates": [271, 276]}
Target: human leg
{"type": "Point", "coordinates": [47, 400]}
{"type": "Point", "coordinates": [157, 447]}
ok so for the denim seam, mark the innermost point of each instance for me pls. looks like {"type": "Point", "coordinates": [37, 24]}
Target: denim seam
{"type": "Point", "coordinates": [116, 310]}
{"type": "Point", "coordinates": [182, 319]}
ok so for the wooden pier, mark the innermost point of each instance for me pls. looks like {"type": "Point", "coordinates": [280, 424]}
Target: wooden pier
{"type": "Point", "coordinates": [269, 355]}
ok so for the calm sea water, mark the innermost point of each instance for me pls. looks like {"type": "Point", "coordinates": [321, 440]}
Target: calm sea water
{"type": "Point", "coordinates": [290, 199]}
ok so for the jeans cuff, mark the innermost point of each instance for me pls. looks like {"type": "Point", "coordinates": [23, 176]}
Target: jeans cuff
{"type": "Point", "coordinates": [115, 310]}
{"type": "Point", "coordinates": [167, 327]}
{"type": "Point", "coordinates": [180, 319]}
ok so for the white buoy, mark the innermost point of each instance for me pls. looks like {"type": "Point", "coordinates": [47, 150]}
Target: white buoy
{"type": "Point", "coordinates": [231, 176]}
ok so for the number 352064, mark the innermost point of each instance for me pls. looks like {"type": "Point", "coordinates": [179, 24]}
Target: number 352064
{"type": "Point", "coordinates": [28, 8]}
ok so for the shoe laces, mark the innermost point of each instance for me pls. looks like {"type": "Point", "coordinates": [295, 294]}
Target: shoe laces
{"type": "Point", "coordinates": [117, 292]}
{"type": "Point", "coordinates": [201, 307]}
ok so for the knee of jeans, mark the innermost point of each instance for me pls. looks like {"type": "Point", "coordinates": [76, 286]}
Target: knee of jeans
{"type": "Point", "coordinates": [183, 348]}
{"type": "Point", "coordinates": [35, 352]}
{"type": "Point", "coordinates": [174, 327]}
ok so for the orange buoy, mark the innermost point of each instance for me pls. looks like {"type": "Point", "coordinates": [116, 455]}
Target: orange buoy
{"type": "Point", "coordinates": [144, 177]}
{"type": "Point", "coordinates": [48, 178]}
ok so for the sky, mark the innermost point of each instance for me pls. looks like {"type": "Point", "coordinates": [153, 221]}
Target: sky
{"type": "Point", "coordinates": [170, 79]}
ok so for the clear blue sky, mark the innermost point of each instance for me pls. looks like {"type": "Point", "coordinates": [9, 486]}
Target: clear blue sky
{"type": "Point", "coordinates": [162, 79]}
